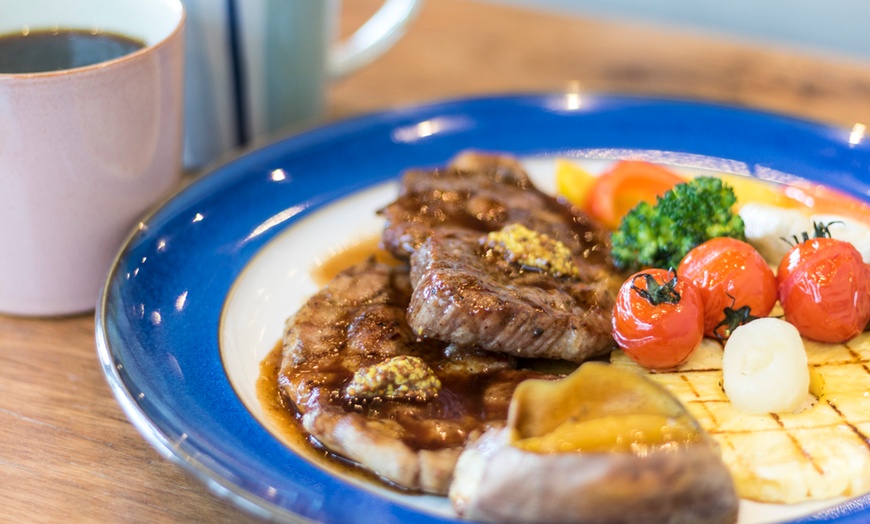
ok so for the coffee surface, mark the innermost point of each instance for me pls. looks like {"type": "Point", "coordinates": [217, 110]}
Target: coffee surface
{"type": "Point", "coordinates": [49, 50]}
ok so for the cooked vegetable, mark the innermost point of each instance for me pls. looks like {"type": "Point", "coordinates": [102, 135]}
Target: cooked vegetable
{"type": "Point", "coordinates": [573, 182]}
{"type": "Point", "coordinates": [688, 215]}
{"type": "Point", "coordinates": [658, 319]}
{"type": "Point", "coordinates": [764, 367]}
{"type": "Point", "coordinates": [627, 183]}
{"type": "Point", "coordinates": [735, 283]}
{"type": "Point", "coordinates": [665, 470]}
{"type": "Point", "coordinates": [768, 227]}
{"type": "Point", "coordinates": [824, 288]}
{"type": "Point", "coordinates": [610, 196]}
{"type": "Point", "coordinates": [597, 408]}
{"type": "Point", "coordinates": [751, 190]}
{"type": "Point", "coordinates": [823, 200]}
{"type": "Point", "coordinates": [851, 230]}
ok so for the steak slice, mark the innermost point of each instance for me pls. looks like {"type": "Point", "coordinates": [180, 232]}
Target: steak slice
{"type": "Point", "coordinates": [484, 193]}
{"type": "Point", "coordinates": [469, 295]}
{"type": "Point", "coordinates": [466, 297]}
{"type": "Point", "coordinates": [357, 324]}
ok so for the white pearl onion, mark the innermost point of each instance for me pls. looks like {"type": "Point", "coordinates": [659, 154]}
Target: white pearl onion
{"type": "Point", "coordinates": [765, 367]}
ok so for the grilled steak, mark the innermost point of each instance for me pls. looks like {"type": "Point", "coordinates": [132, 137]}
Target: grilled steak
{"type": "Point", "coordinates": [368, 390]}
{"type": "Point", "coordinates": [484, 193]}
{"type": "Point", "coordinates": [397, 367]}
{"type": "Point", "coordinates": [467, 296]}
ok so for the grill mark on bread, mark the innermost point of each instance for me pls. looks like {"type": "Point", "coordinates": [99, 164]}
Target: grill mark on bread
{"type": "Point", "coordinates": [796, 443]}
{"type": "Point", "coordinates": [691, 386]}
{"type": "Point", "coordinates": [806, 454]}
{"type": "Point", "coordinates": [863, 437]}
{"type": "Point", "coordinates": [845, 422]}
{"type": "Point", "coordinates": [836, 423]}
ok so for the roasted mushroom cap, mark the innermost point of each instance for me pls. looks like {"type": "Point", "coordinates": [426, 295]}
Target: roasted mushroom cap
{"type": "Point", "coordinates": [603, 445]}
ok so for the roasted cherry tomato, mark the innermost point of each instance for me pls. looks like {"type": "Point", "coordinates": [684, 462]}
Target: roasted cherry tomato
{"type": "Point", "coordinates": [658, 319]}
{"type": "Point", "coordinates": [617, 191]}
{"type": "Point", "coordinates": [824, 289]}
{"type": "Point", "coordinates": [735, 283]}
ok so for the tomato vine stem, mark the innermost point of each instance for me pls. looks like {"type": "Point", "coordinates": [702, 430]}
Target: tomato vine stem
{"type": "Point", "coordinates": [658, 293]}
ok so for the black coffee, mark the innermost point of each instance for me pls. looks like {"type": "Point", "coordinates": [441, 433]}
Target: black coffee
{"type": "Point", "coordinates": [41, 51]}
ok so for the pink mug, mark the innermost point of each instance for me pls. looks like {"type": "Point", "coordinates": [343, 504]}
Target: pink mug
{"type": "Point", "coordinates": [84, 151]}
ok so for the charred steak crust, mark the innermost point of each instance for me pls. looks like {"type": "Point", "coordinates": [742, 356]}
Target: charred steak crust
{"type": "Point", "coordinates": [466, 295]}
{"type": "Point", "coordinates": [470, 298]}
{"type": "Point", "coordinates": [484, 193]}
{"type": "Point", "coordinates": [358, 320]}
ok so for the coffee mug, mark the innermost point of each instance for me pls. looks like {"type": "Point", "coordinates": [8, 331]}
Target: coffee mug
{"type": "Point", "coordinates": [84, 149]}
{"type": "Point", "coordinates": [256, 67]}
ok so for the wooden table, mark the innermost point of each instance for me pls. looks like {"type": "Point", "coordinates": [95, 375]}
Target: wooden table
{"type": "Point", "coordinates": [66, 449]}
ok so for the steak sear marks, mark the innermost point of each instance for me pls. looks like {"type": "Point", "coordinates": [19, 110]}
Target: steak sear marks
{"type": "Point", "coordinates": [467, 295]}
{"type": "Point", "coordinates": [485, 193]}
{"type": "Point", "coordinates": [358, 320]}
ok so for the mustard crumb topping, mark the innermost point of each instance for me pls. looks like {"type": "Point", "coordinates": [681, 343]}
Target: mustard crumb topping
{"type": "Point", "coordinates": [521, 245]}
{"type": "Point", "coordinates": [398, 378]}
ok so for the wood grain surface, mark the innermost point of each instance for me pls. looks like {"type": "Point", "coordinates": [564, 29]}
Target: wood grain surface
{"type": "Point", "coordinates": [67, 452]}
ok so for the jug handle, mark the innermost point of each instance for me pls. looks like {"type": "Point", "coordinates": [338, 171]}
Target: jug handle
{"type": "Point", "coordinates": [373, 38]}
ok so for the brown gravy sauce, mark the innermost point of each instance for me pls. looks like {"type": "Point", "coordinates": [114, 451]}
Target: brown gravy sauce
{"type": "Point", "coordinates": [283, 422]}
{"type": "Point", "coordinates": [369, 247]}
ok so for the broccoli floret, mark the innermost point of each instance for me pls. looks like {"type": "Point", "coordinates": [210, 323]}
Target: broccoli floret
{"type": "Point", "coordinates": [689, 214]}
